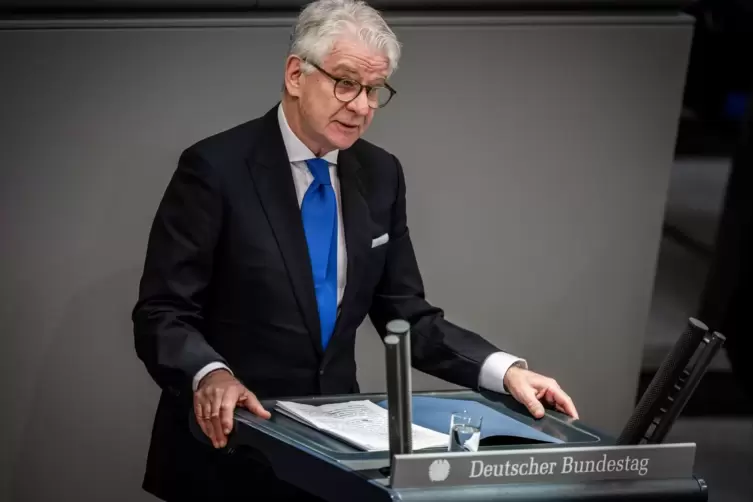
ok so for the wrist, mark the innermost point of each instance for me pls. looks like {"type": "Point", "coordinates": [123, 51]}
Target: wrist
{"type": "Point", "coordinates": [214, 374]}
{"type": "Point", "coordinates": [513, 370]}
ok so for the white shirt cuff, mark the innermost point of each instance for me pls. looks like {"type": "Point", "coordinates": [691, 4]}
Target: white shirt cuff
{"type": "Point", "coordinates": [494, 369]}
{"type": "Point", "coordinates": [205, 371]}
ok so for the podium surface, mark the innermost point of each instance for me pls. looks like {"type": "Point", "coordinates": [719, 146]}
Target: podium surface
{"type": "Point", "coordinates": [548, 459]}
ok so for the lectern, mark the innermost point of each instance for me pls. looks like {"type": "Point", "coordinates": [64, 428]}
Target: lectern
{"type": "Point", "coordinates": [519, 458]}
{"type": "Point", "coordinates": [335, 471]}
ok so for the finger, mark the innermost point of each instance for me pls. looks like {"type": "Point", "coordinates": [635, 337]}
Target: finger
{"type": "Point", "coordinates": [217, 402]}
{"type": "Point", "coordinates": [206, 409]}
{"type": "Point", "coordinates": [549, 397]}
{"type": "Point", "coordinates": [563, 402]}
{"type": "Point", "coordinates": [227, 409]}
{"type": "Point", "coordinates": [204, 405]}
{"type": "Point", "coordinates": [198, 409]}
{"type": "Point", "coordinates": [253, 405]}
{"type": "Point", "coordinates": [527, 396]}
{"type": "Point", "coordinates": [207, 420]}
{"type": "Point", "coordinates": [219, 436]}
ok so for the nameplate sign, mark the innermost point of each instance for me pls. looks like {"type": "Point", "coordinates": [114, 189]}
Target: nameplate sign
{"type": "Point", "coordinates": [547, 465]}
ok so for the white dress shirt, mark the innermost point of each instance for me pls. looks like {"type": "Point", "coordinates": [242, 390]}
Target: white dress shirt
{"type": "Point", "coordinates": [494, 367]}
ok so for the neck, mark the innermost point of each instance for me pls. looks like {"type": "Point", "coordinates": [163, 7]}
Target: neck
{"type": "Point", "coordinates": [296, 123]}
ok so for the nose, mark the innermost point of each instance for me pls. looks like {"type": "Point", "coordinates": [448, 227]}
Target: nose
{"type": "Point", "coordinates": [360, 105]}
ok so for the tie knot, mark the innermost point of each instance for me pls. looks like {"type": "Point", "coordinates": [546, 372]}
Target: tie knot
{"type": "Point", "coordinates": [320, 169]}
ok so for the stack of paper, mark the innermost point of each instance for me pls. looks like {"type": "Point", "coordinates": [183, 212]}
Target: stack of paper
{"type": "Point", "coordinates": [362, 424]}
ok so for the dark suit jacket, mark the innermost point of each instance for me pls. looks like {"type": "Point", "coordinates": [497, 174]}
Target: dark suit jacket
{"type": "Point", "coordinates": [227, 278]}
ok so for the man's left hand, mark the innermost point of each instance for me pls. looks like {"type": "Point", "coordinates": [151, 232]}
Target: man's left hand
{"type": "Point", "coordinates": [531, 389]}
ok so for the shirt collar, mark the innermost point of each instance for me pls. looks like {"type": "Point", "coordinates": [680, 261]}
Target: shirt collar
{"type": "Point", "coordinates": [295, 148]}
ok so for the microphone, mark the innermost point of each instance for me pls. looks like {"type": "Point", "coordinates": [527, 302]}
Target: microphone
{"type": "Point", "coordinates": [399, 406]}
{"type": "Point", "coordinates": [672, 385]}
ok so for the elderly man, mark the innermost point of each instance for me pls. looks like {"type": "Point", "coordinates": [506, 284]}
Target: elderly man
{"type": "Point", "coordinates": [273, 242]}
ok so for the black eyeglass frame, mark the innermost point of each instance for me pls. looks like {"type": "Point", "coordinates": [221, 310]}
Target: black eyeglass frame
{"type": "Point", "coordinates": [361, 87]}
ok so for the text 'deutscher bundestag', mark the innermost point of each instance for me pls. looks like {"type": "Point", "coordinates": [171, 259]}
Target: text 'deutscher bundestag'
{"type": "Point", "coordinates": [550, 465]}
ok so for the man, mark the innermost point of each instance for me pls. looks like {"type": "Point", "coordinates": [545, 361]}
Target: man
{"type": "Point", "coordinates": [272, 243]}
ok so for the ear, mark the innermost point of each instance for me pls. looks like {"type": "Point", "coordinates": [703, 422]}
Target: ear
{"type": "Point", "coordinates": [293, 76]}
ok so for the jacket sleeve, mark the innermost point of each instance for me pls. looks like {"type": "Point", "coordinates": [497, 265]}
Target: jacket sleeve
{"type": "Point", "coordinates": [168, 315]}
{"type": "Point", "coordinates": [438, 347]}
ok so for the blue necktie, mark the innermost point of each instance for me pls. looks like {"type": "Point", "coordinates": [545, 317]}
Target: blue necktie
{"type": "Point", "coordinates": [319, 213]}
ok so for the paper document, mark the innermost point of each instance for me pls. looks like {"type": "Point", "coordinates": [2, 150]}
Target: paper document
{"type": "Point", "coordinates": [362, 424]}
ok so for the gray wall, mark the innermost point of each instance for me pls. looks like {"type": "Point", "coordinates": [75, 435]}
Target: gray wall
{"type": "Point", "coordinates": [537, 155]}
{"type": "Point", "coordinates": [36, 5]}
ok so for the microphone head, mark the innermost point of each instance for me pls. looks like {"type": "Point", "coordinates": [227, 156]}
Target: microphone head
{"type": "Point", "coordinates": [398, 327]}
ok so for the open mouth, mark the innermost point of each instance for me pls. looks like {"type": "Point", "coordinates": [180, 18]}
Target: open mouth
{"type": "Point", "coordinates": [347, 126]}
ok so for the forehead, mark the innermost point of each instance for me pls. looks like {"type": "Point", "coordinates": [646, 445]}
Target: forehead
{"type": "Point", "coordinates": [353, 56]}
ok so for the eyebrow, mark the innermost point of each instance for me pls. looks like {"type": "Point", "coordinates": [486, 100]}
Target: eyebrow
{"type": "Point", "coordinates": [351, 72]}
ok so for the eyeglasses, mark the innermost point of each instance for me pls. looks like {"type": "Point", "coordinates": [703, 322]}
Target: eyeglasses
{"type": "Point", "coordinates": [347, 90]}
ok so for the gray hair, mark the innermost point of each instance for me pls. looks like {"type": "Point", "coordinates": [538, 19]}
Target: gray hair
{"type": "Point", "coordinates": [323, 21]}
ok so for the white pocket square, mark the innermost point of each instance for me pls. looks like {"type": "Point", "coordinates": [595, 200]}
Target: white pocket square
{"type": "Point", "coordinates": [382, 239]}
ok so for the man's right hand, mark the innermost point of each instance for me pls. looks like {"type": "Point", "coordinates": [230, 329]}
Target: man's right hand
{"type": "Point", "coordinates": [214, 403]}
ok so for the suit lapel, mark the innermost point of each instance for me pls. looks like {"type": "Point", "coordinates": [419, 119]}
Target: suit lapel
{"type": "Point", "coordinates": [357, 226]}
{"type": "Point", "coordinates": [270, 169]}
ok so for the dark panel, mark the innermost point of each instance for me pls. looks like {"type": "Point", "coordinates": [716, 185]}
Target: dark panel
{"type": "Point", "coordinates": [707, 400]}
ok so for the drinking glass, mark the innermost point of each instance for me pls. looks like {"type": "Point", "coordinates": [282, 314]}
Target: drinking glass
{"type": "Point", "coordinates": [465, 431]}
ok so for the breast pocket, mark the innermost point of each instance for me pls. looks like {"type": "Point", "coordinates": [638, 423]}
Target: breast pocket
{"type": "Point", "coordinates": [375, 258]}
{"type": "Point", "coordinates": [380, 240]}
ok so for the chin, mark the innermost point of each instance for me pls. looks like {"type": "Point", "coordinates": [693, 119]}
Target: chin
{"type": "Point", "coordinates": [343, 141]}
{"type": "Point", "coordinates": [340, 137]}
